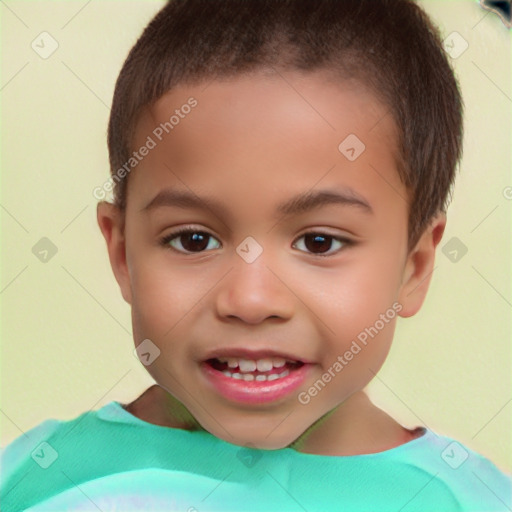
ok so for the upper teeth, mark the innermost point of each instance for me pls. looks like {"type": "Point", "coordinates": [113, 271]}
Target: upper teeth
{"type": "Point", "coordinates": [249, 365]}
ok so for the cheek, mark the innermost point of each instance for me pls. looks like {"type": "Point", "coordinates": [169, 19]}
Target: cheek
{"type": "Point", "coordinates": [162, 297]}
{"type": "Point", "coordinates": [353, 297]}
{"type": "Point", "coordinates": [360, 314]}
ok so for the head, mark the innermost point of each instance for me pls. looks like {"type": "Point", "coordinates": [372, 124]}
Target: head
{"type": "Point", "coordinates": [310, 147]}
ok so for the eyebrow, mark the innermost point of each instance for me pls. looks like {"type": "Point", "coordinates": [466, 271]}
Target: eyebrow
{"type": "Point", "coordinates": [301, 203]}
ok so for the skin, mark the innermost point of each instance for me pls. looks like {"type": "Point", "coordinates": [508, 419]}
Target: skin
{"type": "Point", "coordinates": [252, 142]}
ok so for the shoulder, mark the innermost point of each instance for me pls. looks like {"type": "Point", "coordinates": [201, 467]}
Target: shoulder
{"type": "Point", "coordinates": [31, 465]}
{"type": "Point", "coordinates": [475, 481]}
{"type": "Point", "coordinates": [32, 449]}
{"type": "Point", "coordinates": [29, 444]}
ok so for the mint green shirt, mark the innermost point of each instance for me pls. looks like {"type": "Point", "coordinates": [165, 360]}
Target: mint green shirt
{"type": "Point", "coordinates": [108, 460]}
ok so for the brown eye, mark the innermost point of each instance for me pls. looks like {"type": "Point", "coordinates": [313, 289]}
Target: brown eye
{"type": "Point", "coordinates": [189, 240]}
{"type": "Point", "coordinates": [321, 243]}
{"type": "Point", "coordinates": [318, 243]}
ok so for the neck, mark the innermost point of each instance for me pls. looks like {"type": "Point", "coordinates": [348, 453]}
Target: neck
{"type": "Point", "coordinates": [355, 427]}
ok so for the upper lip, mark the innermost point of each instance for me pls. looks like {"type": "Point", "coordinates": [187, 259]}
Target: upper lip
{"type": "Point", "coordinates": [243, 353]}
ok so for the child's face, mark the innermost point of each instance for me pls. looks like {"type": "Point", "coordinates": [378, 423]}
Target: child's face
{"type": "Point", "coordinates": [251, 144]}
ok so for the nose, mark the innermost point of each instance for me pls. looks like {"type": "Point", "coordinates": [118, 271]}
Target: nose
{"type": "Point", "coordinates": [253, 292]}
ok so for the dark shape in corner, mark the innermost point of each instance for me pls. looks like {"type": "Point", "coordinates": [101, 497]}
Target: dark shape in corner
{"type": "Point", "coordinates": [502, 9]}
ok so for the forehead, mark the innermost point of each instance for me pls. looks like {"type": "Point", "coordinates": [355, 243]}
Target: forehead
{"type": "Point", "coordinates": [268, 134]}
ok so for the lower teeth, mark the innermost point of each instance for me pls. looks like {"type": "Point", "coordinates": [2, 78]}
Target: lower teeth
{"type": "Point", "coordinates": [260, 377]}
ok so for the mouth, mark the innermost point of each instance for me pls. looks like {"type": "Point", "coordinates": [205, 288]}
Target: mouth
{"type": "Point", "coordinates": [253, 381]}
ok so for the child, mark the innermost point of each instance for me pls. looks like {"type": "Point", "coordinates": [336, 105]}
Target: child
{"type": "Point", "coordinates": [242, 134]}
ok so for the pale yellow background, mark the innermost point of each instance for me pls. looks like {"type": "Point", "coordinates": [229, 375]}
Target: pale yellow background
{"type": "Point", "coordinates": [66, 332]}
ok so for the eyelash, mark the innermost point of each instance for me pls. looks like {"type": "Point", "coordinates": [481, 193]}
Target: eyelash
{"type": "Point", "coordinates": [185, 230]}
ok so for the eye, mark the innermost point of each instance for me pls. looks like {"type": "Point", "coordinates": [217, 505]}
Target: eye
{"type": "Point", "coordinates": [319, 243]}
{"type": "Point", "coordinates": [191, 240]}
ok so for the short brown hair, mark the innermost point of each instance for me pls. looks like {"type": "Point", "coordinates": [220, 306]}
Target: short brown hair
{"type": "Point", "coordinates": [390, 46]}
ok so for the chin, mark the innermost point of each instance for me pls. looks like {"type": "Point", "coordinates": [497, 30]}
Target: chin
{"type": "Point", "coordinates": [262, 442]}
{"type": "Point", "coordinates": [266, 435]}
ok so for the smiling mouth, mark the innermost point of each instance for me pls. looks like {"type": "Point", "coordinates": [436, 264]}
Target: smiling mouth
{"type": "Point", "coordinates": [261, 370]}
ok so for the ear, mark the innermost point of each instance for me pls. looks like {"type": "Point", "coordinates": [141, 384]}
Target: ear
{"type": "Point", "coordinates": [111, 223]}
{"type": "Point", "coordinates": [419, 267]}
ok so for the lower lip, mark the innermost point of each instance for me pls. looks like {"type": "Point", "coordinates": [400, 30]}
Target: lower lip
{"type": "Point", "coordinates": [255, 392]}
